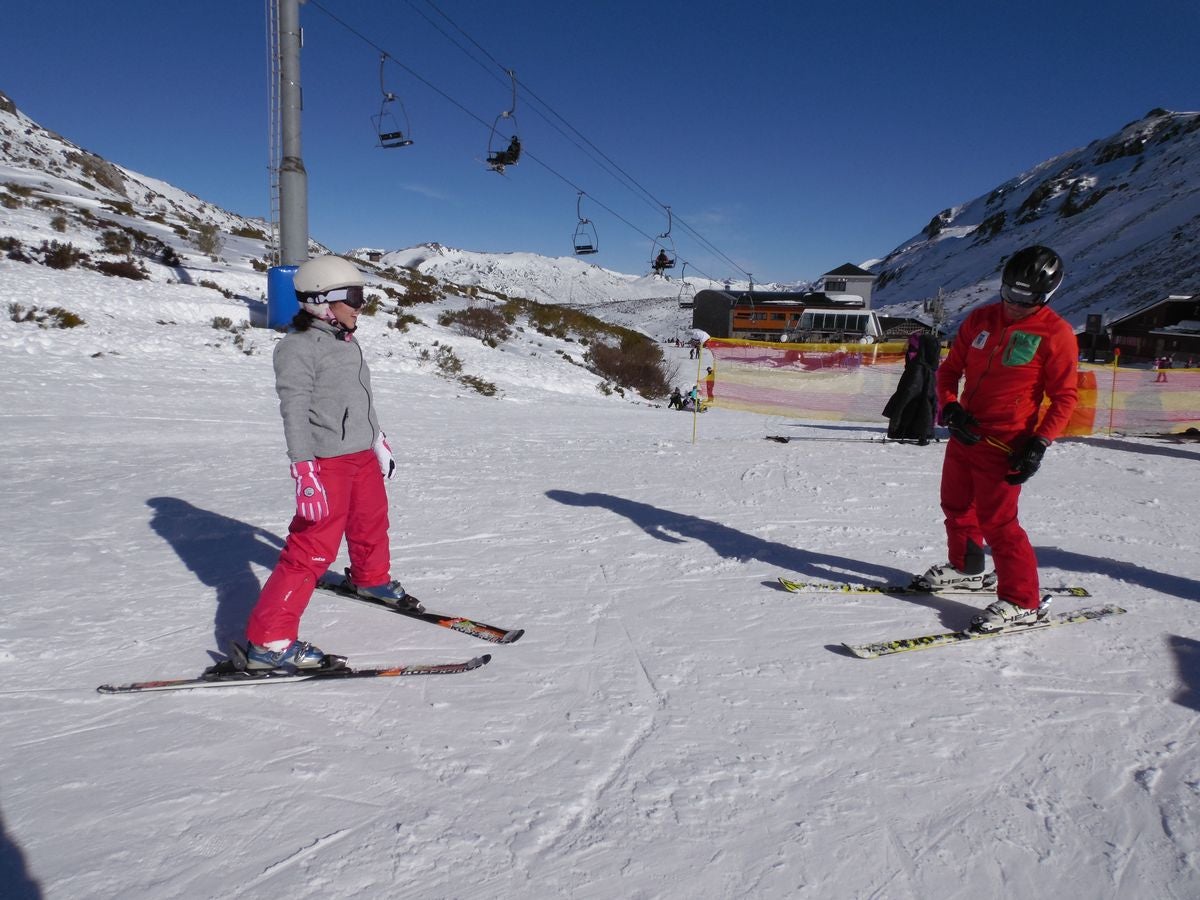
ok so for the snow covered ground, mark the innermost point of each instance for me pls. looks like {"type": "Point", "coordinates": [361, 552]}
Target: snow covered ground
{"type": "Point", "coordinates": [672, 725]}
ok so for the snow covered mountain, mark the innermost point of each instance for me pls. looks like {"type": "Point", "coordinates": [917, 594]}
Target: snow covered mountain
{"type": "Point", "coordinates": [56, 175]}
{"type": "Point", "coordinates": [645, 303]}
{"type": "Point", "coordinates": [1124, 212]}
{"type": "Point", "coordinates": [78, 234]}
{"type": "Point", "coordinates": [54, 193]}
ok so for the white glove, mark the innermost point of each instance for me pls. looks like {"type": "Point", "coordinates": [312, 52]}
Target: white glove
{"type": "Point", "coordinates": [383, 453]}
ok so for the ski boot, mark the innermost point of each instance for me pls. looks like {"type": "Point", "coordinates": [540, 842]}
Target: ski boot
{"type": "Point", "coordinates": [296, 655]}
{"type": "Point", "coordinates": [1004, 614]}
{"type": "Point", "coordinates": [946, 577]}
{"type": "Point", "coordinates": [392, 593]}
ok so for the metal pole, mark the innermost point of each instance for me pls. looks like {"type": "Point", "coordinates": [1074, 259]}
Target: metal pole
{"type": "Point", "coordinates": [293, 179]}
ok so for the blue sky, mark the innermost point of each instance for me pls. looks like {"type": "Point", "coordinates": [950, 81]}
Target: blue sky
{"type": "Point", "coordinates": [792, 136]}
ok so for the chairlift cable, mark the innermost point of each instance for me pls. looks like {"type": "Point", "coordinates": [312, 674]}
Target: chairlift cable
{"type": "Point", "coordinates": [526, 88]}
{"type": "Point", "coordinates": [529, 91]}
{"type": "Point", "coordinates": [483, 122]}
{"type": "Point", "coordinates": [366, 40]}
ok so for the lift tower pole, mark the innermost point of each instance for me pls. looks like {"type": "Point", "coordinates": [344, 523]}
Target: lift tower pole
{"type": "Point", "coordinates": [293, 179]}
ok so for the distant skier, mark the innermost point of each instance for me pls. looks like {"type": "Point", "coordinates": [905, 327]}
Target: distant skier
{"type": "Point", "coordinates": [1162, 364]}
{"type": "Point", "coordinates": [339, 458]}
{"type": "Point", "coordinates": [1013, 354]}
{"type": "Point", "coordinates": [912, 409]}
{"type": "Point", "coordinates": [662, 261]}
{"type": "Point", "coordinates": [507, 157]}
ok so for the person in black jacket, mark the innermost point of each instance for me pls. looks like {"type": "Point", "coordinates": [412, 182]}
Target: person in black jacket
{"type": "Point", "coordinates": [912, 410]}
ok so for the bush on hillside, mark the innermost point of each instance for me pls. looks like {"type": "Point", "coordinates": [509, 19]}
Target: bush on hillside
{"type": "Point", "coordinates": [60, 256]}
{"type": "Point", "coordinates": [213, 286]}
{"type": "Point", "coordinates": [247, 231]}
{"type": "Point", "coordinates": [418, 288]}
{"type": "Point", "coordinates": [207, 239]}
{"type": "Point", "coordinates": [122, 269]}
{"type": "Point", "coordinates": [13, 250]}
{"type": "Point", "coordinates": [402, 321]}
{"type": "Point", "coordinates": [55, 317]}
{"type": "Point", "coordinates": [637, 364]}
{"type": "Point", "coordinates": [488, 325]}
{"type": "Point", "coordinates": [448, 362]}
{"type": "Point", "coordinates": [116, 242]}
{"type": "Point", "coordinates": [478, 385]}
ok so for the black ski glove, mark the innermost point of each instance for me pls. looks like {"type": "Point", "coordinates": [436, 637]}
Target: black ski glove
{"type": "Point", "coordinates": [959, 421]}
{"type": "Point", "coordinates": [1026, 461]}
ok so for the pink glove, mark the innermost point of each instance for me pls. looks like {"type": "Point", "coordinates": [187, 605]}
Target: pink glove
{"type": "Point", "coordinates": [312, 504]}
{"type": "Point", "coordinates": [383, 453]}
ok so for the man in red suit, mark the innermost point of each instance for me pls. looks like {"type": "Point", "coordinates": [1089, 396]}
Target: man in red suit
{"type": "Point", "coordinates": [1008, 357]}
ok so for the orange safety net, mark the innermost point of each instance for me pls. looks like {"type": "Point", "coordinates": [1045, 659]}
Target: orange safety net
{"type": "Point", "coordinates": [853, 382]}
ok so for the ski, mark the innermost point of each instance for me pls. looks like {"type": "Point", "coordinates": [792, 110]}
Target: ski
{"type": "Point", "coordinates": [226, 674]}
{"type": "Point", "coordinates": [845, 587]}
{"type": "Point", "coordinates": [929, 641]}
{"type": "Point", "coordinates": [481, 630]}
{"type": "Point", "coordinates": [787, 439]}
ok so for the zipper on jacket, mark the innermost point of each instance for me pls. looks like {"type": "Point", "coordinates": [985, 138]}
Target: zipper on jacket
{"type": "Point", "coordinates": [362, 364]}
{"type": "Point", "coordinates": [988, 368]}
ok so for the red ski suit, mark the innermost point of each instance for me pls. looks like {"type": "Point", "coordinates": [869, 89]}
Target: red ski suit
{"type": "Point", "coordinates": [328, 412]}
{"type": "Point", "coordinates": [1009, 369]}
{"type": "Point", "coordinates": [358, 509]}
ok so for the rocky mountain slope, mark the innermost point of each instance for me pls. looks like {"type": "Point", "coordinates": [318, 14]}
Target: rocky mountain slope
{"type": "Point", "coordinates": [1124, 212]}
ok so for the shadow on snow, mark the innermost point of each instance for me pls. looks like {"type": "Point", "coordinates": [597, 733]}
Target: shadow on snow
{"type": "Point", "coordinates": [221, 552]}
{"type": "Point", "coordinates": [14, 874]}
{"type": "Point", "coordinates": [795, 562]}
{"type": "Point", "coordinates": [1187, 660]}
{"type": "Point", "coordinates": [1159, 582]}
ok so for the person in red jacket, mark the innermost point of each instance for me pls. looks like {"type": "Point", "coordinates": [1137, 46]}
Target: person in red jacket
{"type": "Point", "coordinates": [1009, 357]}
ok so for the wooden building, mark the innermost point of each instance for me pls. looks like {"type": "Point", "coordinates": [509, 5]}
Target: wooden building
{"type": "Point", "coordinates": [1167, 328]}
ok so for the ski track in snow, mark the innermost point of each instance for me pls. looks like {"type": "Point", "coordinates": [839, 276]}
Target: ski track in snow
{"type": "Point", "coordinates": [671, 725]}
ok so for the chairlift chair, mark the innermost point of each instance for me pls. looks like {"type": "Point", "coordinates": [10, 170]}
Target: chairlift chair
{"type": "Point", "coordinates": [662, 249]}
{"type": "Point", "coordinates": [585, 239]}
{"type": "Point", "coordinates": [662, 254]}
{"type": "Point", "coordinates": [387, 127]}
{"type": "Point", "coordinates": [687, 293]}
{"type": "Point", "coordinates": [504, 149]}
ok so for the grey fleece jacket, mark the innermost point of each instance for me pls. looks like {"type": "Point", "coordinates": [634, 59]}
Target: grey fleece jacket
{"type": "Point", "coordinates": [324, 392]}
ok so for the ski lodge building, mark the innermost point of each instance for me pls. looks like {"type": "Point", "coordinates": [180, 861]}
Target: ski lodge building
{"type": "Point", "coordinates": [1165, 328]}
{"type": "Point", "coordinates": [839, 311]}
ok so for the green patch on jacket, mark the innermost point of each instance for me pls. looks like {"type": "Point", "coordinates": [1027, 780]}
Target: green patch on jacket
{"type": "Point", "coordinates": [1022, 347]}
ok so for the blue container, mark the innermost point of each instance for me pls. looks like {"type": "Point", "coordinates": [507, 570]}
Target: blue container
{"type": "Point", "coordinates": [282, 304]}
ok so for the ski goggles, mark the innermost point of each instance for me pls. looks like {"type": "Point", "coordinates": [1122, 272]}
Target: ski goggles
{"type": "Point", "coordinates": [352, 296]}
{"type": "Point", "coordinates": [1020, 297]}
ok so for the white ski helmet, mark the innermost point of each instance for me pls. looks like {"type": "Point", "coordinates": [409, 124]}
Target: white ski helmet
{"type": "Point", "coordinates": [324, 280]}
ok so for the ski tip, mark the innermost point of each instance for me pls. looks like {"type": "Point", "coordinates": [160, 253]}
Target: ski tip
{"type": "Point", "coordinates": [512, 637]}
{"type": "Point", "coordinates": [858, 651]}
{"type": "Point", "coordinates": [479, 661]}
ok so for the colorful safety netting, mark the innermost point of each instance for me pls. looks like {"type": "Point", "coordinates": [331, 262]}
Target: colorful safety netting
{"type": "Point", "coordinates": [852, 383]}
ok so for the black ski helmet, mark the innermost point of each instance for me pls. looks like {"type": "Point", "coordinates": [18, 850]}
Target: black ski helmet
{"type": "Point", "coordinates": [1031, 276]}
